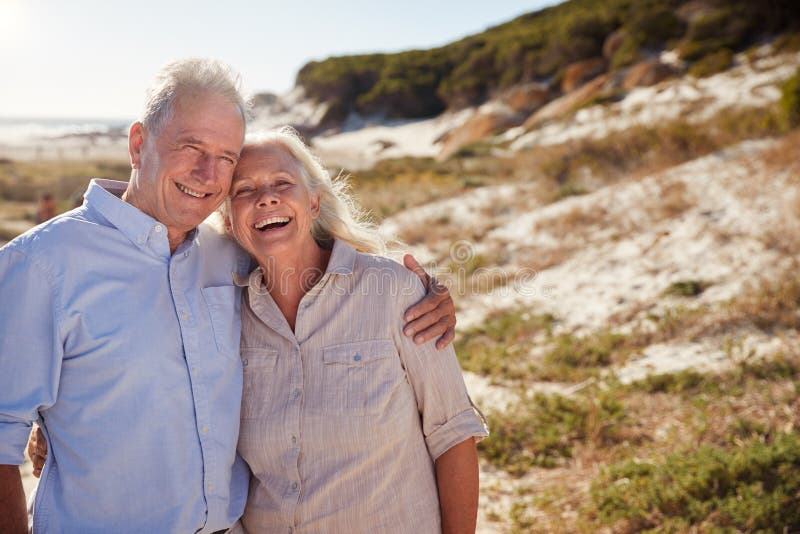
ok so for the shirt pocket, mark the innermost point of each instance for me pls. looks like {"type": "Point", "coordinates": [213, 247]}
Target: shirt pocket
{"type": "Point", "coordinates": [359, 378]}
{"type": "Point", "coordinates": [258, 367]}
{"type": "Point", "coordinates": [221, 303]}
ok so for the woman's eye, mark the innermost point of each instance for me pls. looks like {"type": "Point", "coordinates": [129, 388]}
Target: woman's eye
{"type": "Point", "coordinates": [243, 191]}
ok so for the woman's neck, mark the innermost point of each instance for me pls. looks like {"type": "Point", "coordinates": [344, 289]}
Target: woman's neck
{"type": "Point", "coordinates": [290, 274]}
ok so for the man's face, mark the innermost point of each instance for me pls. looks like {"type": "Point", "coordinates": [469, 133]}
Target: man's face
{"type": "Point", "coordinates": [184, 171]}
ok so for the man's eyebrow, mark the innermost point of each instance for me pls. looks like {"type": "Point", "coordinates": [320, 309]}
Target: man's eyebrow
{"type": "Point", "coordinates": [190, 139]}
{"type": "Point", "coordinates": [195, 141]}
{"type": "Point", "coordinates": [233, 155]}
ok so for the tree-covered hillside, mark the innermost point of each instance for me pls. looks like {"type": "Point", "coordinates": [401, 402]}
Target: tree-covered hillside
{"type": "Point", "coordinates": [538, 47]}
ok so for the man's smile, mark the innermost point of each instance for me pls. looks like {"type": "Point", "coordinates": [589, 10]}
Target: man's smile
{"type": "Point", "coordinates": [191, 192]}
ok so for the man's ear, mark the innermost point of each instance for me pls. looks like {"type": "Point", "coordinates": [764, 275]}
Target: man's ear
{"type": "Point", "coordinates": [135, 143]}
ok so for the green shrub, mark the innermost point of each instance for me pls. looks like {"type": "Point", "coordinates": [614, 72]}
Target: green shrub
{"type": "Point", "coordinates": [752, 488]}
{"type": "Point", "coordinates": [650, 26]}
{"type": "Point", "coordinates": [790, 102]}
{"type": "Point", "coordinates": [594, 350]}
{"type": "Point", "coordinates": [712, 63]}
{"type": "Point", "coordinates": [542, 430]}
{"type": "Point", "coordinates": [498, 347]}
{"type": "Point", "coordinates": [686, 288]}
{"type": "Point", "coordinates": [686, 381]}
{"type": "Point", "coordinates": [787, 42]}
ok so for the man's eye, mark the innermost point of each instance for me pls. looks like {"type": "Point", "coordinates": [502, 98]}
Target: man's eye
{"type": "Point", "coordinates": [228, 160]}
{"type": "Point", "coordinates": [243, 191]}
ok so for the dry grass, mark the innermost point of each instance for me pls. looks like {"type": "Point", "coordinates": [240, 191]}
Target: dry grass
{"type": "Point", "coordinates": [784, 157]}
{"type": "Point", "coordinates": [584, 165]}
{"type": "Point", "coordinates": [25, 181]}
{"type": "Point", "coordinates": [771, 304]}
{"type": "Point", "coordinates": [673, 200]}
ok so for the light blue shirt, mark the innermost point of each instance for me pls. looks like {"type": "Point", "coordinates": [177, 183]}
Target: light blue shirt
{"type": "Point", "coordinates": [128, 357]}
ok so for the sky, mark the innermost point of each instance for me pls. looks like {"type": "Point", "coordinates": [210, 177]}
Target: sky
{"type": "Point", "coordinates": [95, 58]}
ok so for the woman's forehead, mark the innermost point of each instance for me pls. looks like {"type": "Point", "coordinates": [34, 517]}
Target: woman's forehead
{"type": "Point", "coordinates": [266, 159]}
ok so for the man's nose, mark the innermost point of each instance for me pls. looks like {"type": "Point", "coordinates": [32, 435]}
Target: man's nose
{"type": "Point", "coordinates": [204, 168]}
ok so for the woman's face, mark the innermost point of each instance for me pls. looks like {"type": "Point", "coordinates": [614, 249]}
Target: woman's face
{"type": "Point", "coordinates": [271, 208]}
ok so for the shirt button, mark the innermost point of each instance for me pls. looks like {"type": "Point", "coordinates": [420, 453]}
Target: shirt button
{"type": "Point", "coordinates": [295, 393]}
{"type": "Point", "coordinates": [294, 439]}
{"type": "Point", "coordinates": [194, 371]}
{"type": "Point", "coordinates": [291, 530]}
{"type": "Point", "coordinates": [184, 316]}
{"type": "Point", "coordinates": [357, 357]}
{"type": "Point", "coordinates": [140, 240]}
{"type": "Point", "coordinates": [211, 487]}
{"type": "Point", "coordinates": [158, 228]}
{"type": "Point", "coordinates": [294, 485]}
{"type": "Point", "coordinates": [244, 362]}
{"type": "Point", "coordinates": [204, 429]}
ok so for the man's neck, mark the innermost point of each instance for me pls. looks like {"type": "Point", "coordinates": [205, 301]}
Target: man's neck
{"type": "Point", "coordinates": [174, 236]}
{"type": "Point", "coordinates": [175, 239]}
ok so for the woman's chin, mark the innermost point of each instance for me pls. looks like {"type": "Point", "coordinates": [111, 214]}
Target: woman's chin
{"type": "Point", "coordinates": [278, 244]}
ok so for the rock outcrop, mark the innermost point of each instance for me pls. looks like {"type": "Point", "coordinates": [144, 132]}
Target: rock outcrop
{"type": "Point", "coordinates": [505, 111]}
{"type": "Point", "coordinates": [647, 73]}
{"type": "Point", "coordinates": [581, 72]}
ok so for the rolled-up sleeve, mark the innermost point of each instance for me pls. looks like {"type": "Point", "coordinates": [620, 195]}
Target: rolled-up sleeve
{"type": "Point", "coordinates": [448, 415]}
{"type": "Point", "coordinates": [30, 350]}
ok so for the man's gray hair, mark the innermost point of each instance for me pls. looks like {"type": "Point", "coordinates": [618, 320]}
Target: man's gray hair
{"type": "Point", "coordinates": [191, 75]}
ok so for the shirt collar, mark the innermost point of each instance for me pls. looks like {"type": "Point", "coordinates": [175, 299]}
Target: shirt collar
{"type": "Point", "coordinates": [342, 261]}
{"type": "Point", "coordinates": [105, 197]}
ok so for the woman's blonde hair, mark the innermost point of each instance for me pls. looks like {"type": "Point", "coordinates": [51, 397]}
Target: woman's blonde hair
{"type": "Point", "coordinates": [339, 215]}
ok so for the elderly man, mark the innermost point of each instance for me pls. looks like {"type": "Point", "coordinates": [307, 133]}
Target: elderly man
{"type": "Point", "coordinates": [120, 332]}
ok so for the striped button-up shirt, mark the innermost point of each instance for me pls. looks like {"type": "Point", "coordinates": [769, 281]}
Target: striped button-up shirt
{"type": "Point", "coordinates": [128, 357]}
{"type": "Point", "coordinates": [343, 418]}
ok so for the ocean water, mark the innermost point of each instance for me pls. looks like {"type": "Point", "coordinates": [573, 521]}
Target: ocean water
{"type": "Point", "coordinates": [26, 131]}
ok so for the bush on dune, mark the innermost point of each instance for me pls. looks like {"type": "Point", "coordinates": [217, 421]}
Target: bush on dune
{"type": "Point", "coordinates": [790, 102]}
{"type": "Point", "coordinates": [752, 488]}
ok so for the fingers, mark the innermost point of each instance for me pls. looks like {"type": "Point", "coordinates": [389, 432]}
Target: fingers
{"type": "Point", "coordinates": [435, 330]}
{"type": "Point", "coordinates": [413, 265]}
{"type": "Point", "coordinates": [41, 443]}
{"type": "Point", "coordinates": [446, 338]}
{"type": "Point", "coordinates": [435, 315]}
{"type": "Point", "coordinates": [38, 465]}
{"type": "Point", "coordinates": [418, 311]}
{"type": "Point", "coordinates": [37, 450]}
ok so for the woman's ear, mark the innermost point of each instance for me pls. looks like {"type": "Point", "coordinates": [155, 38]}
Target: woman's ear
{"type": "Point", "coordinates": [315, 202]}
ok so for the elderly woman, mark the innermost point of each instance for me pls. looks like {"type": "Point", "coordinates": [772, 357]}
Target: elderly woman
{"type": "Point", "coordinates": [347, 425]}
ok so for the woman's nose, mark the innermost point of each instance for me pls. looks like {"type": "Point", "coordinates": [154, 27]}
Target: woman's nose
{"type": "Point", "coordinates": [267, 197]}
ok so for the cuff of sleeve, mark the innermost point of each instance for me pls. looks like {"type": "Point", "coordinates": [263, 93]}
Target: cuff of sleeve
{"type": "Point", "coordinates": [13, 438]}
{"type": "Point", "coordinates": [462, 426]}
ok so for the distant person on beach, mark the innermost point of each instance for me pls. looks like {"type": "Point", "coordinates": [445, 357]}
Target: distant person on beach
{"type": "Point", "coordinates": [346, 424]}
{"type": "Point", "coordinates": [45, 208]}
{"type": "Point", "coordinates": [120, 332]}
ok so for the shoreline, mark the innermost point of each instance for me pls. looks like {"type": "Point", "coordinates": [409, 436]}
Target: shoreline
{"type": "Point", "coordinates": [67, 149]}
